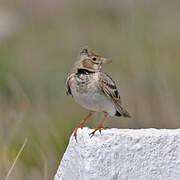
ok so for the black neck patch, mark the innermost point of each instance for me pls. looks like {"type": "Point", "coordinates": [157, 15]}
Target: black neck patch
{"type": "Point", "coordinates": [84, 71]}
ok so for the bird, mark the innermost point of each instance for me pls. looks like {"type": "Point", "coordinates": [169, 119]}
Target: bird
{"type": "Point", "coordinates": [94, 89]}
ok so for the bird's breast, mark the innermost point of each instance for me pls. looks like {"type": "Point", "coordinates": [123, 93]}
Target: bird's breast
{"type": "Point", "coordinates": [86, 92]}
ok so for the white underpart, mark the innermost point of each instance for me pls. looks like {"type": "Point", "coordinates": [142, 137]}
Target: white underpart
{"type": "Point", "coordinates": [94, 99]}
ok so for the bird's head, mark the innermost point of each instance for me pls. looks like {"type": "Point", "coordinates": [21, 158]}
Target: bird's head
{"type": "Point", "coordinates": [89, 60]}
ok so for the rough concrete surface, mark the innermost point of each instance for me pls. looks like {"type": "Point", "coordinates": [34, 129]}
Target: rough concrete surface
{"type": "Point", "coordinates": [122, 154]}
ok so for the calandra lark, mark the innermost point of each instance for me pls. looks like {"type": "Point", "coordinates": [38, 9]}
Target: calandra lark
{"type": "Point", "coordinates": [94, 89]}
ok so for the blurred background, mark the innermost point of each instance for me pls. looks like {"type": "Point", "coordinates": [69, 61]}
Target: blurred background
{"type": "Point", "coordinates": [39, 42]}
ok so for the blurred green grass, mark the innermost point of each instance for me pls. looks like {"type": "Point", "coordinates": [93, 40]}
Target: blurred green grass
{"type": "Point", "coordinates": [142, 38]}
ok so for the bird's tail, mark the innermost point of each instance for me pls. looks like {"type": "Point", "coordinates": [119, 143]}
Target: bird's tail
{"type": "Point", "coordinates": [121, 111]}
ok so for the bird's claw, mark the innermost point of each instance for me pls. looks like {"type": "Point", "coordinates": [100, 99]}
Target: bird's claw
{"type": "Point", "coordinates": [92, 134]}
{"type": "Point", "coordinates": [75, 131]}
{"type": "Point", "coordinates": [75, 136]}
{"type": "Point", "coordinates": [96, 129]}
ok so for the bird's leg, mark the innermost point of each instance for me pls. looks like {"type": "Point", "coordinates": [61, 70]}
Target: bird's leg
{"type": "Point", "coordinates": [80, 125]}
{"type": "Point", "coordinates": [99, 127]}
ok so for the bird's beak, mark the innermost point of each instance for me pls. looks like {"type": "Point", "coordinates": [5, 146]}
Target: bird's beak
{"type": "Point", "coordinates": [105, 61]}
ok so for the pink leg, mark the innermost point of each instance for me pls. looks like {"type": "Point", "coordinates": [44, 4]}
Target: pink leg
{"type": "Point", "coordinates": [99, 127]}
{"type": "Point", "coordinates": [80, 125]}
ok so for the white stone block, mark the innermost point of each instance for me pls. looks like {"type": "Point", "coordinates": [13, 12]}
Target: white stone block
{"type": "Point", "coordinates": [122, 154]}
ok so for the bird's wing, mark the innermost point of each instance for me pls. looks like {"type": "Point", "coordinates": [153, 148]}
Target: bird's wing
{"type": "Point", "coordinates": [109, 88]}
{"type": "Point", "coordinates": [68, 89]}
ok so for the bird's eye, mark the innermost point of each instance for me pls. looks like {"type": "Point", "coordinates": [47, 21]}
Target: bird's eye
{"type": "Point", "coordinates": [94, 58]}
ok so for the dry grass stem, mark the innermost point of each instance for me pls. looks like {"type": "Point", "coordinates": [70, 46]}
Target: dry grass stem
{"type": "Point", "coordinates": [19, 153]}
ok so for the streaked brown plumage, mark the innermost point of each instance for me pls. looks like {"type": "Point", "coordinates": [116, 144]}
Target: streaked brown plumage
{"type": "Point", "coordinates": [94, 89]}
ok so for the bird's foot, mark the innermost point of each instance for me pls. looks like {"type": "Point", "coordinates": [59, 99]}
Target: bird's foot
{"type": "Point", "coordinates": [81, 124]}
{"type": "Point", "coordinates": [96, 129]}
{"type": "Point", "coordinates": [75, 131]}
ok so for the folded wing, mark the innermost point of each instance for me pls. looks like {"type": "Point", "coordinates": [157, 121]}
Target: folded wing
{"type": "Point", "coordinates": [109, 88]}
